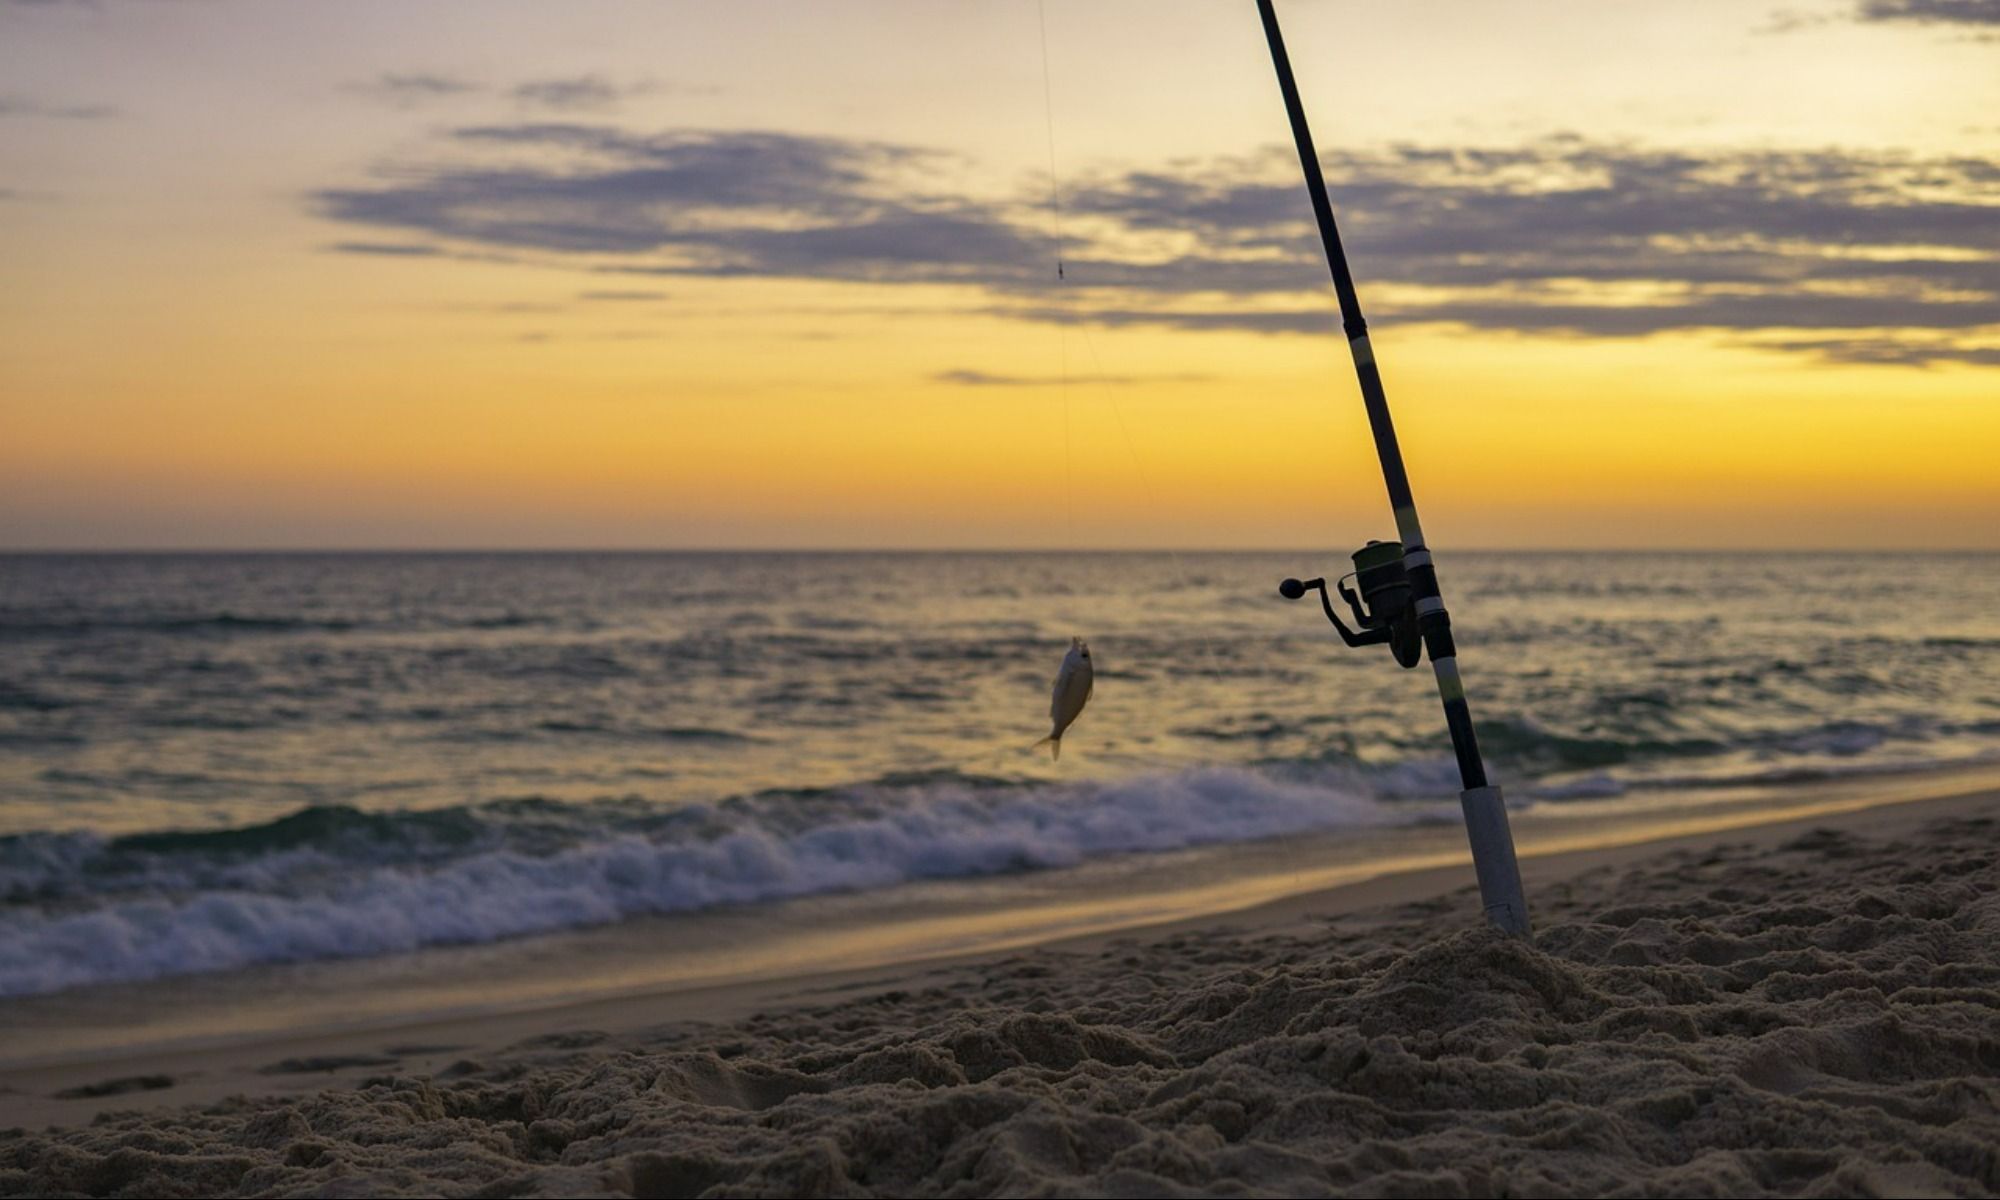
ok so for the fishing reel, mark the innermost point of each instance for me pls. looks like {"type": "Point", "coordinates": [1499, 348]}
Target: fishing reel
{"type": "Point", "coordinates": [1391, 613]}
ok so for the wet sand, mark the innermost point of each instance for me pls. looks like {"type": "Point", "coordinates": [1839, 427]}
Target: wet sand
{"type": "Point", "coordinates": [1804, 1007]}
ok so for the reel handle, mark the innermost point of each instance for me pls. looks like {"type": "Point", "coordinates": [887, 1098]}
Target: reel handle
{"type": "Point", "coordinates": [1295, 589]}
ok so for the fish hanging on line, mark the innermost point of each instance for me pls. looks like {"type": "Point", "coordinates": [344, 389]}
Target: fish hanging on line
{"type": "Point", "coordinates": [1074, 683]}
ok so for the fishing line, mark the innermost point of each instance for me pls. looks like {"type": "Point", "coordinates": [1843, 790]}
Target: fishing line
{"type": "Point", "coordinates": [1049, 118]}
{"type": "Point", "coordinates": [1062, 294]}
{"type": "Point", "coordinates": [1065, 318]}
{"type": "Point", "coordinates": [1181, 576]}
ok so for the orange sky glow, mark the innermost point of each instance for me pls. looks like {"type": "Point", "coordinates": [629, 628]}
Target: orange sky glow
{"type": "Point", "coordinates": [711, 275]}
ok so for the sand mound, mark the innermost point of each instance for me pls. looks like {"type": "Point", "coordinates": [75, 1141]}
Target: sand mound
{"type": "Point", "coordinates": [1820, 1020]}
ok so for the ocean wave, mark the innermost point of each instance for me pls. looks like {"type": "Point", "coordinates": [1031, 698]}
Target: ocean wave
{"type": "Point", "coordinates": [21, 696]}
{"type": "Point", "coordinates": [1786, 773]}
{"type": "Point", "coordinates": [668, 733]}
{"type": "Point", "coordinates": [224, 623]}
{"type": "Point", "coordinates": [191, 624]}
{"type": "Point", "coordinates": [1591, 787]}
{"type": "Point", "coordinates": [341, 883]}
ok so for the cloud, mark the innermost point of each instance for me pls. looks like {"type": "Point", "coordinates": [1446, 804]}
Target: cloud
{"type": "Point", "coordinates": [1792, 20]}
{"type": "Point", "coordinates": [386, 249]}
{"type": "Point", "coordinates": [573, 94]}
{"type": "Point", "coordinates": [1561, 235]}
{"type": "Point", "coordinates": [578, 94]}
{"type": "Point", "coordinates": [1915, 352]}
{"type": "Point", "coordinates": [967, 377]}
{"type": "Point", "coordinates": [1319, 318]}
{"type": "Point", "coordinates": [23, 106]}
{"type": "Point", "coordinates": [408, 89]}
{"type": "Point", "coordinates": [622, 295]}
{"type": "Point", "coordinates": [1982, 13]}
{"type": "Point", "coordinates": [700, 204]}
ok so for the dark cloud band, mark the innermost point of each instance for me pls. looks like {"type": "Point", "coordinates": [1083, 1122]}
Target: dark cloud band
{"type": "Point", "coordinates": [1934, 12]}
{"type": "Point", "coordinates": [1560, 235]}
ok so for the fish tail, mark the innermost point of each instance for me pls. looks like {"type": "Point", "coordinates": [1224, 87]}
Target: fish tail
{"type": "Point", "coordinates": [1053, 742]}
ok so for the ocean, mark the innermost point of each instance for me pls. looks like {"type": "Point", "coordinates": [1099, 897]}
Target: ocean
{"type": "Point", "coordinates": [215, 762]}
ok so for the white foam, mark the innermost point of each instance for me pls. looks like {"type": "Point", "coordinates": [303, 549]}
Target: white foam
{"type": "Point", "coordinates": [1599, 786]}
{"type": "Point", "coordinates": [914, 833]}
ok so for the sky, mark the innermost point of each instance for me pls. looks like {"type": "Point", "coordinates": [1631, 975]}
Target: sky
{"type": "Point", "coordinates": [483, 273]}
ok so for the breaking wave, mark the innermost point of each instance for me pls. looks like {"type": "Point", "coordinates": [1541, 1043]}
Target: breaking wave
{"type": "Point", "coordinates": [338, 882]}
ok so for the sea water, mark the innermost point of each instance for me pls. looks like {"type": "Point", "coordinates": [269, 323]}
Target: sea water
{"type": "Point", "coordinates": [210, 762]}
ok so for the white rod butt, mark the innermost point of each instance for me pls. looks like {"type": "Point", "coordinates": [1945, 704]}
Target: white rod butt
{"type": "Point", "coordinates": [1493, 859]}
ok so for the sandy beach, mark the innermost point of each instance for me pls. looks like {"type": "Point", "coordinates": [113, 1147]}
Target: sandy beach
{"type": "Point", "coordinates": [1806, 1007]}
{"type": "Point", "coordinates": [1025, 599]}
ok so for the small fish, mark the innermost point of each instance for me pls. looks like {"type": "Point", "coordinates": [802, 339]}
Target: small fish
{"type": "Point", "coordinates": [1074, 683]}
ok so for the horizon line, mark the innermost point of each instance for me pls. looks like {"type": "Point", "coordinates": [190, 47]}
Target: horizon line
{"type": "Point", "coordinates": [108, 551]}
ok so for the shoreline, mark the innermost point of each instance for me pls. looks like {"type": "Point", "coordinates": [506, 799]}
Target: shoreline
{"type": "Point", "coordinates": [69, 1089]}
{"type": "Point", "coordinates": [1803, 1007]}
{"type": "Point", "coordinates": [827, 933]}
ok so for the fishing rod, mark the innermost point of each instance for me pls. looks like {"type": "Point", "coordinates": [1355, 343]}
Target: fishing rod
{"type": "Point", "coordinates": [1396, 580]}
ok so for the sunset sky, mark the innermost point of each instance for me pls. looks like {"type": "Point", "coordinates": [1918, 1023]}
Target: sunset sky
{"type": "Point", "coordinates": [497, 274]}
